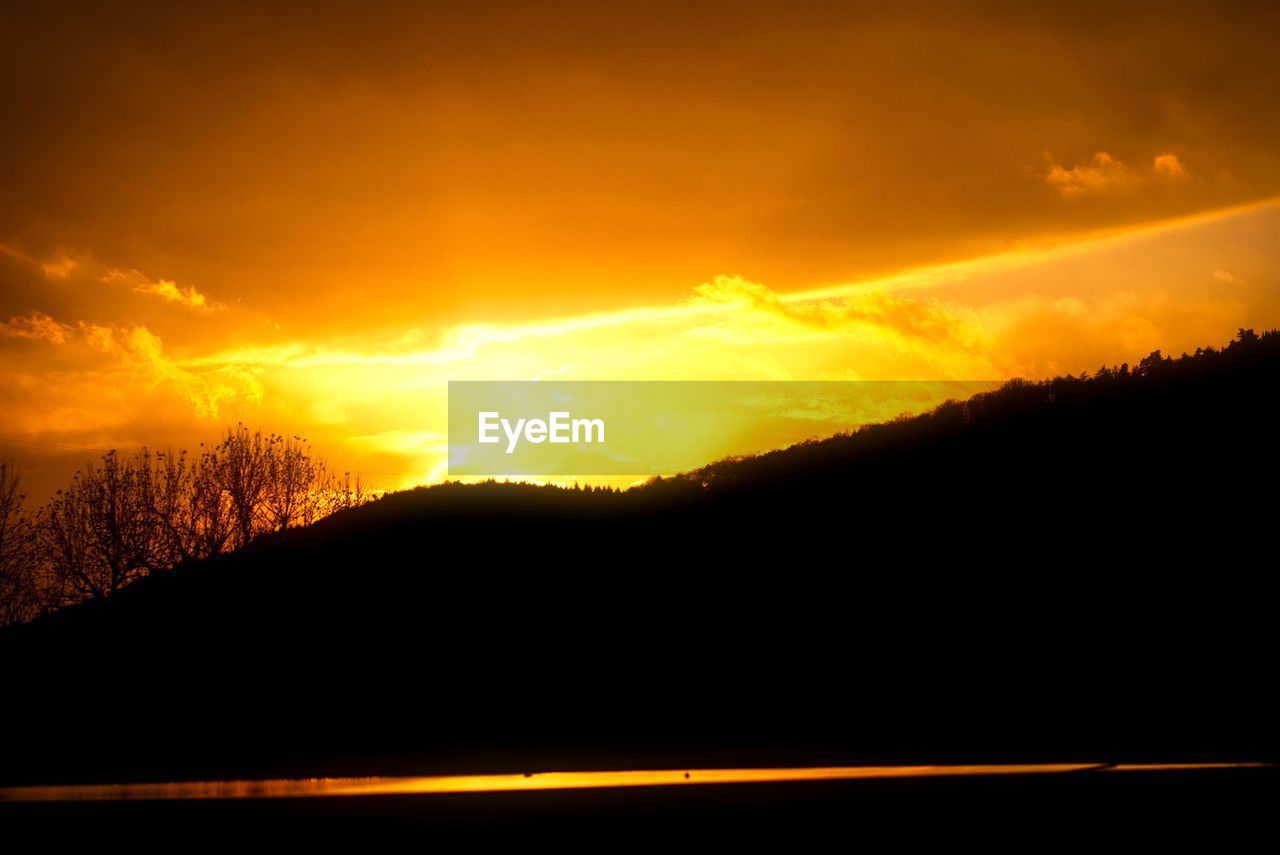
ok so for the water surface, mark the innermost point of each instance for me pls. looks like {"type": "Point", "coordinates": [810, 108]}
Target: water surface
{"type": "Point", "coordinates": [427, 784]}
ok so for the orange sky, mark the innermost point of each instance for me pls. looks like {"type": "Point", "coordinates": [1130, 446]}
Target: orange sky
{"type": "Point", "coordinates": [311, 218]}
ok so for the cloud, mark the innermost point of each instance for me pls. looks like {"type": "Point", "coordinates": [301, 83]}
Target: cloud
{"type": "Point", "coordinates": [1102, 174]}
{"type": "Point", "coordinates": [1226, 277]}
{"type": "Point", "coordinates": [1168, 165]}
{"type": "Point", "coordinates": [140, 353]}
{"type": "Point", "coordinates": [925, 319]}
{"type": "Point", "coordinates": [57, 266]}
{"type": "Point", "coordinates": [191, 298]}
{"type": "Point", "coordinates": [731, 290]}
{"type": "Point", "coordinates": [165, 289]}
{"type": "Point", "coordinates": [60, 266]}
{"type": "Point", "coordinates": [36, 326]}
{"type": "Point", "coordinates": [1035, 337]}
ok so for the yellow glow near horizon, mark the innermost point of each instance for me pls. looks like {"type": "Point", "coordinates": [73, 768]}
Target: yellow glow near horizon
{"type": "Point", "coordinates": [376, 403]}
{"type": "Point", "coordinates": [733, 329]}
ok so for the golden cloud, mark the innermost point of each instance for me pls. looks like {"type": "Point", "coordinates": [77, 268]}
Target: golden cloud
{"type": "Point", "coordinates": [57, 266]}
{"type": "Point", "coordinates": [35, 326]}
{"type": "Point", "coordinates": [165, 289]}
{"type": "Point", "coordinates": [1102, 174]}
{"type": "Point", "coordinates": [1168, 165]}
{"type": "Point", "coordinates": [140, 353]}
{"type": "Point", "coordinates": [925, 319]}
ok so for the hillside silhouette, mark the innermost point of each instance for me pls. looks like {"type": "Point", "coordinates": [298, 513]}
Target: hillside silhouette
{"type": "Point", "coordinates": [1072, 568]}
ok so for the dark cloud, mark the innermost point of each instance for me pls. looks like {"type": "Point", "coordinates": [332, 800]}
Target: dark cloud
{"type": "Point", "coordinates": [506, 158]}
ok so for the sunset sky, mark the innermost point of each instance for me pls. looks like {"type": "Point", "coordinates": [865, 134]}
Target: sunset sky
{"type": "Point", "coordinates": [310, 218]}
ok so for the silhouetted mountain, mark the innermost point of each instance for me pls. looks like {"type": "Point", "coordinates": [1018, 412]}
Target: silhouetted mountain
{"type": "Point", "coordinates": [1069, 568]}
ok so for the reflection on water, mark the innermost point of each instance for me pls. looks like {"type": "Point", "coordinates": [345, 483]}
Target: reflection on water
{"type": "Point", "coordinates": [313, 787]}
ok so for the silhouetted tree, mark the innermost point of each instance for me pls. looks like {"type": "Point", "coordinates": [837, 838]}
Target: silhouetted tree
{"type": "Point", "coordinates": [343, 493]}
{"type": "Point", "coordinates": [241, 465]}
{"type": "Point", "coordinates": [295, 484]}
{"type": "Point", "coordinates": [193, 514]}
{"type": "Point", "coordinates": [127, 516]}
{"type": "Point", "coordinates": [18, 595]}
{"type": "Point", "coordinates": [99, 534]}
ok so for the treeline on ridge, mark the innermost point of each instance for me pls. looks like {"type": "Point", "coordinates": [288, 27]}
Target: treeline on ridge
{"type": "Point", "coordinates": [137, 514]}
{"type": "Point", "coordinates": [129, 515]}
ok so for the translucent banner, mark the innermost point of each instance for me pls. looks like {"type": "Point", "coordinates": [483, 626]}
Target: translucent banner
{"type": "Point", "coordinates": [549, 428]}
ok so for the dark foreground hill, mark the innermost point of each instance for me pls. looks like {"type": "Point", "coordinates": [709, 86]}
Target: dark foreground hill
{"type": "Point", "coordinates": [1070, 569]}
